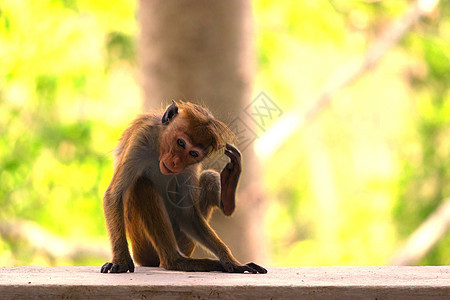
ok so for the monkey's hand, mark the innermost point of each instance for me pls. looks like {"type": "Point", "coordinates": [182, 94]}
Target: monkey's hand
{"type": "Point", "coordinates": [118, 268]}
{"type": "Point", "coordinates": [237, 268]}
{"type": "Point", "coordinates": [229, 178]}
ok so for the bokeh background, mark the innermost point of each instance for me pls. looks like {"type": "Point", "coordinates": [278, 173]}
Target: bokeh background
{"type": "Point", "coordinates": [355, 169]}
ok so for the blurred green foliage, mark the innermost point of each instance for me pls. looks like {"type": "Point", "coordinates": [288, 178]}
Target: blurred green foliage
{"type": "Point", "coordinates": [348, 189]}
{"type": "Point", "coordinates": [424, 182]}
{"type": "Point", "coordinates": [375, 164]}
{"type": "Point", "coordinates": [62, 63]}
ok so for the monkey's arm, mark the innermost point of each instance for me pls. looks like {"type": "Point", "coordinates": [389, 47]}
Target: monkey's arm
{"type": "Point", "coordinates": [196, 226]}
{"type": "Point", "coordinates": [126, 173]}
{"type": "Point", "coordinates": [218, 190]}
{"type": "Point", "coordinates": [229, 178]}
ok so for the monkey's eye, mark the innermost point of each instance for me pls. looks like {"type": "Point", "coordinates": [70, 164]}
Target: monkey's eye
{"type": "Point", "coordinates": [194, 154]}
{"type": "Point", "coordinates": [181, 143]}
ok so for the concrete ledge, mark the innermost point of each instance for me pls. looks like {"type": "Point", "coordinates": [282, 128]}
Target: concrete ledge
{"type": "Point", "coordinates": [279, 283]}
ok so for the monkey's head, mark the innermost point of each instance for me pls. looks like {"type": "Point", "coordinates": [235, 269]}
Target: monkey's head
{"type": "Point", "coordinates": [190, 133]}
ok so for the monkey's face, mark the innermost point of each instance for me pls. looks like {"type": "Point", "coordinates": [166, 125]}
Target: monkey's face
{"type": "Point", "coordinates": [177, 152]}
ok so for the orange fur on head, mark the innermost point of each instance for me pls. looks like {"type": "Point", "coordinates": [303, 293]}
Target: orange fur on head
{"type": "Point", "coordinates": [204, 129]}
{"type": "Point", "coordinates": [202, 133]}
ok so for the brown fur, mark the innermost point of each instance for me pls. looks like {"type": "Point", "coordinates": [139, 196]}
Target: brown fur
{"type": "Point", "coordinates": [160, 201]}
{"type": "Point", "coordinates": [204, 128]}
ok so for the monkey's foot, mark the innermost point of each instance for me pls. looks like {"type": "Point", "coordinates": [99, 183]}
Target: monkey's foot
{"type": "Point", "coordinates": [250, 267]}
{"type": "Point", "coordinates": [257, 268]}
{"type": "Point", "coordinates": [116, 268]}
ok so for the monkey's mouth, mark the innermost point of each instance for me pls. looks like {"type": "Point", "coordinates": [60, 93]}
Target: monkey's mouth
{"type": "Point", "coordinates": [166, 169]}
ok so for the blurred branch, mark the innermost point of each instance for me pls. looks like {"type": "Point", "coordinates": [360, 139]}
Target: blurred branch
{"type": "Point", "coordinates": [425, 237]}
{"type": "Point", "coordinates": [50, 245]}
{"type": "Point", "coordinates": [293, 121]}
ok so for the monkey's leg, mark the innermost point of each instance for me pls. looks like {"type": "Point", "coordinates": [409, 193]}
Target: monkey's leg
{"type": "Point", "coordinates": [209, 197]}
{"type": "Point", "coordinates": [153, 217]}
{"type": "Point", "coordinates": [143, 251]}
{"type": "Point", "coordinates": [185, 243]}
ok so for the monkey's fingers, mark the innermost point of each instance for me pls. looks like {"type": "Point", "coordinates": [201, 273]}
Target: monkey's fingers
{"type": "Point", "coordinates": [106, 267]}
{"type": "Point", "coordinates": [119, 269]}
{"type": "Point", "coordinates": [234, 156]}
{"type": "Point", "coordinates": [234, 268]}
{"type": "Point", "coordinates": [233, 149]}
{"type": "Point", "coordinates": [244, 268]}
{"type": "Point", "coordinates": [234, 167]}
{"type": "Point", "coordinates": [115, 268]}
{"type": "Point", "coordinates": [258, 268]}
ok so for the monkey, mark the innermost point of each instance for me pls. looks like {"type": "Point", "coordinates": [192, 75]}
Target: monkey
{"type": "Point", "coordinates": [160, 198]}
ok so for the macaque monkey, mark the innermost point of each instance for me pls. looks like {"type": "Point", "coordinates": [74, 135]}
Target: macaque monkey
{"type": "Point", "coordinates": [160, 200]}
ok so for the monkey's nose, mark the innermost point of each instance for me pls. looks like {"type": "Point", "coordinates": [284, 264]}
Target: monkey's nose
{"type": "Point", "coordinates": [176, 161]}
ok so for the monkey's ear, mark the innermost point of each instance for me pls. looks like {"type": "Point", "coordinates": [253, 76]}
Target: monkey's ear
{"type": "Point", "coordinates": [170, 113]}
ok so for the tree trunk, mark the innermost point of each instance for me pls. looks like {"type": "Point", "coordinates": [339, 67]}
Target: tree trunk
{"type": "Point", "coordinates": [201, 51]}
